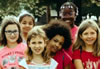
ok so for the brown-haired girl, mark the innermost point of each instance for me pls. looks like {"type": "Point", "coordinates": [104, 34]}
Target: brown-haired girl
{"type": "Point", "coordinates": [86, 49]}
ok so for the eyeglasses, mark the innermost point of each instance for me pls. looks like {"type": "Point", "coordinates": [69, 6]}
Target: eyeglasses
{"type": "Point", "coordinates": [9, 32]}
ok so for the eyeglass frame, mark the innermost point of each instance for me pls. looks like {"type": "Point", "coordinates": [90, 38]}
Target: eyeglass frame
{"type": "Point", "coordinates": [9, 32]}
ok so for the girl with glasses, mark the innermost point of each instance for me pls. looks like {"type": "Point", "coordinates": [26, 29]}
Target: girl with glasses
{"type": "Point", "coordinates": [11, 39]}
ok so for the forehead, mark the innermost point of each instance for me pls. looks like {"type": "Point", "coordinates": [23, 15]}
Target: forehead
{"type": "Point", "coordinates": [89, 29]}
{"type": "Point", "coordinates": [59, 37]}
{"type": "Point", "coordinates": [67, 10]}
{"type": "Point", "coordinates": [11, 26]}
{"type": "Point", "coordinates": [27, 18]}
{"type": "Point", "coordinates": [37, 38]}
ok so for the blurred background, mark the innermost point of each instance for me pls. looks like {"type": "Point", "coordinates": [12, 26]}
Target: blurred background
{"type": "Point", "coordinates": [45, 10]}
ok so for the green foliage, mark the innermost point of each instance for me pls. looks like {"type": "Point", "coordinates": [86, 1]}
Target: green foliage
{"type": "Point", "coordinates": [39, 7]}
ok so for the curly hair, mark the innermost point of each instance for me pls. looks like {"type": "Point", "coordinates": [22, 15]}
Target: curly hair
{"type": "Point", "coordinates": [58, 27]}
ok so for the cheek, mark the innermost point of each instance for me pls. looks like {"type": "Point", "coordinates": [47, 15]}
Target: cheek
{"type": "Point", "coordinates": [60, 47]}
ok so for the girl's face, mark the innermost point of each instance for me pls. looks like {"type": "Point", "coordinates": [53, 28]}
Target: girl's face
{"type": "Point", "coordinates": [27, 24]}
{"type": "Point", "coordinates": [55, 44]}
{"type": "Point", "coordinates": [89, 36]}
{"type": "Point", "coordinates": [68, 15]}
{"type": "Point", "coordinates": [12, 33]}
{"type": "Point", "coordinates": [37, 45]}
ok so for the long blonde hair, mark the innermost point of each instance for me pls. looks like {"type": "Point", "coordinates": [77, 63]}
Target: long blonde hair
{"type": "Point", "coordinates": [80, 43]}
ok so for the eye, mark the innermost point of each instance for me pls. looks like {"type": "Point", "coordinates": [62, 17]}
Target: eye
{"type": "Point", "coordinates": [15, 31]}
{"type": "Point", "coordinates": [9, 31]}
{"type": "Point", "coordinates": [85, 33]}
{"type": "Point", "coordinates": [33, 42]}
{"type": "Point", "coordinates": [24, 22]}
{"type": "Point", "coordinates": [92, 33]}
{"type": "Point", "coordinates": [61, 43]}
{"type": "Point", "coordinates": [30, 23]}
{"type": "Point", "coordinates": [55, 40]}
{"type": "Point", "coordinates": [40, 42]}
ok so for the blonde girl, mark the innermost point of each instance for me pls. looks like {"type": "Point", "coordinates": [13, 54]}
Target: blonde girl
{"type": "Point", "coordinates": [37, 56]}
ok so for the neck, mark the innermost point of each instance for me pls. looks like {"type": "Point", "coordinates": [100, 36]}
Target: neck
{"type": "Point", "coordinates": [24, 36]}
{"type": "Point", "coordinates": [38, 59]}
{"type": "Point", "coordinates": [52, 54]}
{"type": "Point", "coordinates": [12, 45]}
{"type": "Point", "coordinates": [72, 25]}
{"type": "Point", "coordinates": [89, 48]}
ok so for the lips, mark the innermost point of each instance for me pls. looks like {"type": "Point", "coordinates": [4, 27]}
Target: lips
{"type": "Point", "coordinates": [37, 50]}
{"type": "Point", "coordinates": [54, 48]}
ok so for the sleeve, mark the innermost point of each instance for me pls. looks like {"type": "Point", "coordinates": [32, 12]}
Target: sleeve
{"type": "Point", "coordinates": [67, 59]}
{"type": "Point", "coordinates": [76, 54]}
{"type": "Point", "coordinates": [53, 64]}
{"type": "Point", "coordinates": [23, 63]}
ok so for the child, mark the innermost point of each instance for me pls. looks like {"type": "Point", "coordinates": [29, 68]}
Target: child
{"type": "Point", "coordinates": [59, 41]}
{"type": "Point", "coordinates": [37, 55]}
{"type": "Point", "coordinates": [13, 50]}
{"type": "Point", "coordinates": [86, 50]}
{"type": "Point", "coordinates": [27, 22]}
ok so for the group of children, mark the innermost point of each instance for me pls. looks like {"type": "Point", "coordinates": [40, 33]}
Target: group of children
{"type": "Point", "coordinates": [27, 46]}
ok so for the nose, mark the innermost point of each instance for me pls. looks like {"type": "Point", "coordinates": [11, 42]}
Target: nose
{"type": "Point", "coordinates": [12, 33]}
{"type": "Point", "coordinates": [89, 35]}
{"type": "Point", "coordinates": [27, 24]}
{"type": "Point", "coordinates": [37, 45]}
{"type": "Point", "coordinates": [57, 44]}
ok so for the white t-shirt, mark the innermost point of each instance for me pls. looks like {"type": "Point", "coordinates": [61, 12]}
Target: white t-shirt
{"type": "Point", "coordinates": [53, 64]}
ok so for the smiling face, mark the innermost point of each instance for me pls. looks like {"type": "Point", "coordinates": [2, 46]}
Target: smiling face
{"type": "Point", "coordinates": [89, 36]}
{"type": "Point", "coordinates": [55, 44]}
{"type": "Point", "coordinates": [12, 33]}
{"type": "Point", "coordinates": [68, 15]}
{"type": "Point", "coordinates": [26, 24]}
{"type": "Point", "coordinates": [37, 45]}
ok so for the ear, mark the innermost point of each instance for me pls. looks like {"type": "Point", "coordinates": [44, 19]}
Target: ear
{"type": "Point", "coordinates": [60, 14]}
{"type": "Point", "coordinates": [28, 43]}
{"type": "Point", "coordinates": [81, 36]}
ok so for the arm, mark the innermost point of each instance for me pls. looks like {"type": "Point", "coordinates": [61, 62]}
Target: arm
{"type": "Point", "coordinates": [67, 67]}
{"type": "Point", "coordinates": [78, 64]}
{"type": "Point", "coordinates": [21, 67]}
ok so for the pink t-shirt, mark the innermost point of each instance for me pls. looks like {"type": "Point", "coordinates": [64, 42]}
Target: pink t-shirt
{"type": "Point", "coordinates": [63, 59]}
{"type": "Point", "coordinates": [89, 61]}
{"type": "Point", "coordinates": [10, 57]}
{"type": "Point", "coordinates": [73, 32]}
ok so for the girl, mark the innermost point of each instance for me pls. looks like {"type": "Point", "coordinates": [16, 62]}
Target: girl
{"type": "Point", "coordinates": [37, 55]}
{"type": "Point", "coordinates": [13, 50]}
{"type": "Point", "coordinates": [27, 22]}
{"type": "Point", "coordinates": [59, 41]}
{"type": "Point", "coordinates": [86, 49]}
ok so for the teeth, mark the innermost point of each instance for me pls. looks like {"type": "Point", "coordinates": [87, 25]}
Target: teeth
{"type": "Point", "coordinates": [37, 49]}
{"type": "Point", "coordinates": [67, 21]}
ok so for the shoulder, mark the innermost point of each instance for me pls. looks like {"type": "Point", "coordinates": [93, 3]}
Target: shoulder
{"type": "Point", "coordinates": [22, 45]}
{"type": "Point", "coordinates": [23, 63]}
{"type": "Point", "coordinates": [53, 64]}
{"type": "Point", "coordinates": [76, 54]}
{"type": "Point", "coordinates": [2, 50]}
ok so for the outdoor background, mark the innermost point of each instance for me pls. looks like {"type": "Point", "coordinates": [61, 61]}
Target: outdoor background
{"type": "Point", "coordinates": [44, 10]}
